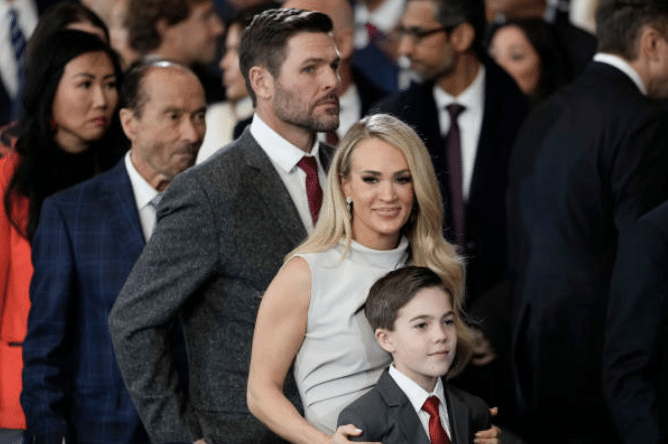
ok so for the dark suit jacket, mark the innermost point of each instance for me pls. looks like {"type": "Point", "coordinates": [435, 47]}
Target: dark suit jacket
{"type": "Point", "coordinates": [88, 238]}
{"type": "Point", "coordinates": [223, 229]}
{"type": "Point", "coordinates": [386, 414]}
{"type": "Point", "coordinates": [505, 108]}
{"type": "Point", "coordinates": [586, 164]}
{"type": "Point", "coordinates": [635, 352]}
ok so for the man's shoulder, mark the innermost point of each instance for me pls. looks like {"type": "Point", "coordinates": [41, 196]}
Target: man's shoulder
{"type": "Point", "coordinates": [404, 101]}
{"type": "Point", "coordinates": [89, 190]}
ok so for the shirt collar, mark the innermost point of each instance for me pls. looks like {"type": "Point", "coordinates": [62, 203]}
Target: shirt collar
{"type": "Point", "coordinates": [281, 152]}
{"type": "Point", "coordinates": [384, 18]}
{"type": "Point", "coordinates": [472, 97]}
{"type": "Point", "coordinates": [143, 192]}
{"type": "Point", "coordinates": [415, 393]}
{"type": "Point", "coordinates": [623, 66]}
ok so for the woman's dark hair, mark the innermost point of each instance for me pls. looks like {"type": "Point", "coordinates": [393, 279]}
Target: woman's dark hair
{"type": "Point", "coordinates": [43, 167]}
{"type": "Point", "coordinates": [59, 16]}
{"type": "Point", "coordinates": [555, 68]}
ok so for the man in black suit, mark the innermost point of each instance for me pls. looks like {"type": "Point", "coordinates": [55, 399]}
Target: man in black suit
{"type": "Point", "coordinates": [635, 375]}
{"type": "Point", "coordinates": [442, 38]}
{"type": "Point", "coordinates": [224, 227]}
{"type": "Point", "coordinates": [586, 164]}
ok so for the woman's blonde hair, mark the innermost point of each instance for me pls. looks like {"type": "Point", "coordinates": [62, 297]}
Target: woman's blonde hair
{"type": "Point", "coordinates": [424, 229]}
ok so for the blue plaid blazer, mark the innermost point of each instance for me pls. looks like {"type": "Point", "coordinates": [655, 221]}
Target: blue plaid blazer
{"type": "Point", "coordinates": [88, 239]}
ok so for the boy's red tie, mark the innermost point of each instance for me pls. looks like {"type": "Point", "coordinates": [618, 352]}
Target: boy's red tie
{"type": "Point", "coordinates": [437, 434]}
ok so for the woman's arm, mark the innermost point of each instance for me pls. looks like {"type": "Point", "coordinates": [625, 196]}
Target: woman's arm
{"type": "Point", "coordinates": [279, 332]}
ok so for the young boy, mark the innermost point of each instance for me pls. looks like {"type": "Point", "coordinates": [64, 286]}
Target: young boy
{"type": "Point", "coordinates": [413, 317]}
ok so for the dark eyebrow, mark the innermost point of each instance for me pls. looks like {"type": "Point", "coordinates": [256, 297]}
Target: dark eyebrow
{"type": "Point", "coordinates": [426, 316]}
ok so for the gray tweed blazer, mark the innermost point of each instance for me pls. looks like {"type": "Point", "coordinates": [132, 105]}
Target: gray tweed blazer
{"type": "Point", "coordinates": [223, 229]}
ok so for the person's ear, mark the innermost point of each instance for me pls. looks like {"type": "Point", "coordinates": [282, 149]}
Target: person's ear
{"type": "Point", "coordinates": [384, 338]}
{"type": "Point", "coordinates": [128, 123]}
{"type": "Point", "coordinates": [649, 43]}
{"type": "Point", "coordinates": [462, 37]}
{"type": "Point", "coordinates": [161, 27]}
{"type": "Point", "coordinates": [262, 82]}
{"type": "Point", "coordinates": [344, 43]}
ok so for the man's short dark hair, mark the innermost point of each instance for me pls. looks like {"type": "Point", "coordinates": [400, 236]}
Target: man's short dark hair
{"type": "Point", "coordinates": [396, 289]}
{"type": "Point", "coordinates": [452, 13]}
{"type": "Point", "coordinates": [264, 41]}
{"type": "Point", "coordinates": [133, 95]}
{"type": "Point", "coordinates": [143, 16]}
{"type": "Point", "coordinates": [619, 22]}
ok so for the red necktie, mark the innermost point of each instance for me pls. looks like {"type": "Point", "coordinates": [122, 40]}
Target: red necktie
{"type": "Point", "coordinates": [454, 149]}
{"type": "Point", "coordinates": [373, 32]}
{"type": "Point", "coordinates": [332, 138]}
{"type": "Point", "coordinates": [313, 190]}
{"type": "Point", "coordinates": [437, 434]}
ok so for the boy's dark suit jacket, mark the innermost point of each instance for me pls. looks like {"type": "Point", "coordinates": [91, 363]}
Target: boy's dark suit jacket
{"type": "Point", "coordinates": [386, 414]}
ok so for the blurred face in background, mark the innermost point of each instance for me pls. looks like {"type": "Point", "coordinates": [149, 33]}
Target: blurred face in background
{"type": "Point", "coordinates": [85, 101]}
{"type": "Point", "coordinates": [432, 56]}
{"type": "Point", "coordinates": [233, 79]}
{"type": "Point", "coordinates": [196, 38]}
{"type": "Point", "coordinates": [118, 33]}
{"type": "Point", "coordinates": [511, 49]}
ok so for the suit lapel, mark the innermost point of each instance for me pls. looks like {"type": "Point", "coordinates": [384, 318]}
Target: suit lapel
{"type": "Point", "coordinates": [459, 422]}
{"type": "Point", "coordinates": [270, 188]}
{"type": "Point", "coordinates": [121, 199]}
{"type": "Point", "coordinates": [402, 410]}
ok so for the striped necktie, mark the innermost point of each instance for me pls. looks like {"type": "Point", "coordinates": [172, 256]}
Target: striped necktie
{"type": "Point", "coordinates": [17, 39]}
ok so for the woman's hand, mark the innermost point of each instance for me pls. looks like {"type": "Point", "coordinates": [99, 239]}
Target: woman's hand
{"type": "Point", "coordinates": [343, 433]}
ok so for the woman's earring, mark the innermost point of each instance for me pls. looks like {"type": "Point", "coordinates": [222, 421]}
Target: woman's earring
{"type": "Point", "coordinates": [349, 202]}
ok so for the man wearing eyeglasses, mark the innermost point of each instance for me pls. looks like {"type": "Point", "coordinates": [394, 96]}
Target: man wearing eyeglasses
{"type": "Point", "coordinates": [467, 110]}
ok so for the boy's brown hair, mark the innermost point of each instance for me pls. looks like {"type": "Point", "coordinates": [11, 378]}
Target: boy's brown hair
{"type": "Point", "coordinates": [397, 288]}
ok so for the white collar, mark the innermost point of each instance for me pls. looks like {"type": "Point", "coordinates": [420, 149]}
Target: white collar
{"type": "Point", "coordinates": [623, 66]}
{"type": "Point", "coordinates": [281, 152]}
{"type": "Point", "coordinates": [415, 393]}
{"type": "Point", "coordinates": [384, 18]}
{"type": "Point", "coordinates": [472, 97]}
{"type": "Point", "coordinates": [141, 189]}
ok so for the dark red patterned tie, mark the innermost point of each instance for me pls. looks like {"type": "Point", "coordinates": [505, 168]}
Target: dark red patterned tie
{"type": "Point", "coordinates": [437, 434]}
{"type": "Point", "coordinates": [332, 138]}
{"type": "Point", "coordinates": [454, 149]}
{"type": "Point", "coordinates": [313, 190]}
{"type": "Point", "coordinates": [373, 32]}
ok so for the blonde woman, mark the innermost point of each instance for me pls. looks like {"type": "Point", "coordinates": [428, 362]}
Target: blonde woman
{"type": "Point", "coordinates": [382, 209]}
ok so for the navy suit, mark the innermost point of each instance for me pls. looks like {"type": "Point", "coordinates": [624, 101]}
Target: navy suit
{"type": "Point", "coordinates": [587, 163]}
{"type": "Point", "coordinates": [88, 239]}
{"type": "Point", "coordinates": [386, 414]}
{"type": "Point", "coordinates": [635, 375]}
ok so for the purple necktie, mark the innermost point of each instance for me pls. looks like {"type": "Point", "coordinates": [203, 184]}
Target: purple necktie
{"type": "Point", "coordinates": [454, 149]}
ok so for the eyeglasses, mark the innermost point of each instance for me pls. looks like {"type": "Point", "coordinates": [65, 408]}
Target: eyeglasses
{"type": "Point", "coordinates": [417, 34]}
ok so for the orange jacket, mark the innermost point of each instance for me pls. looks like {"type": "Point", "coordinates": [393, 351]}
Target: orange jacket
{"type": "Point", "coordinates": [15, 273]}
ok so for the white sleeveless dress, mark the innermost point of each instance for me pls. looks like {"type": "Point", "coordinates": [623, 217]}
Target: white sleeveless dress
{"type": "Point", "coordinates": [340, 359]}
